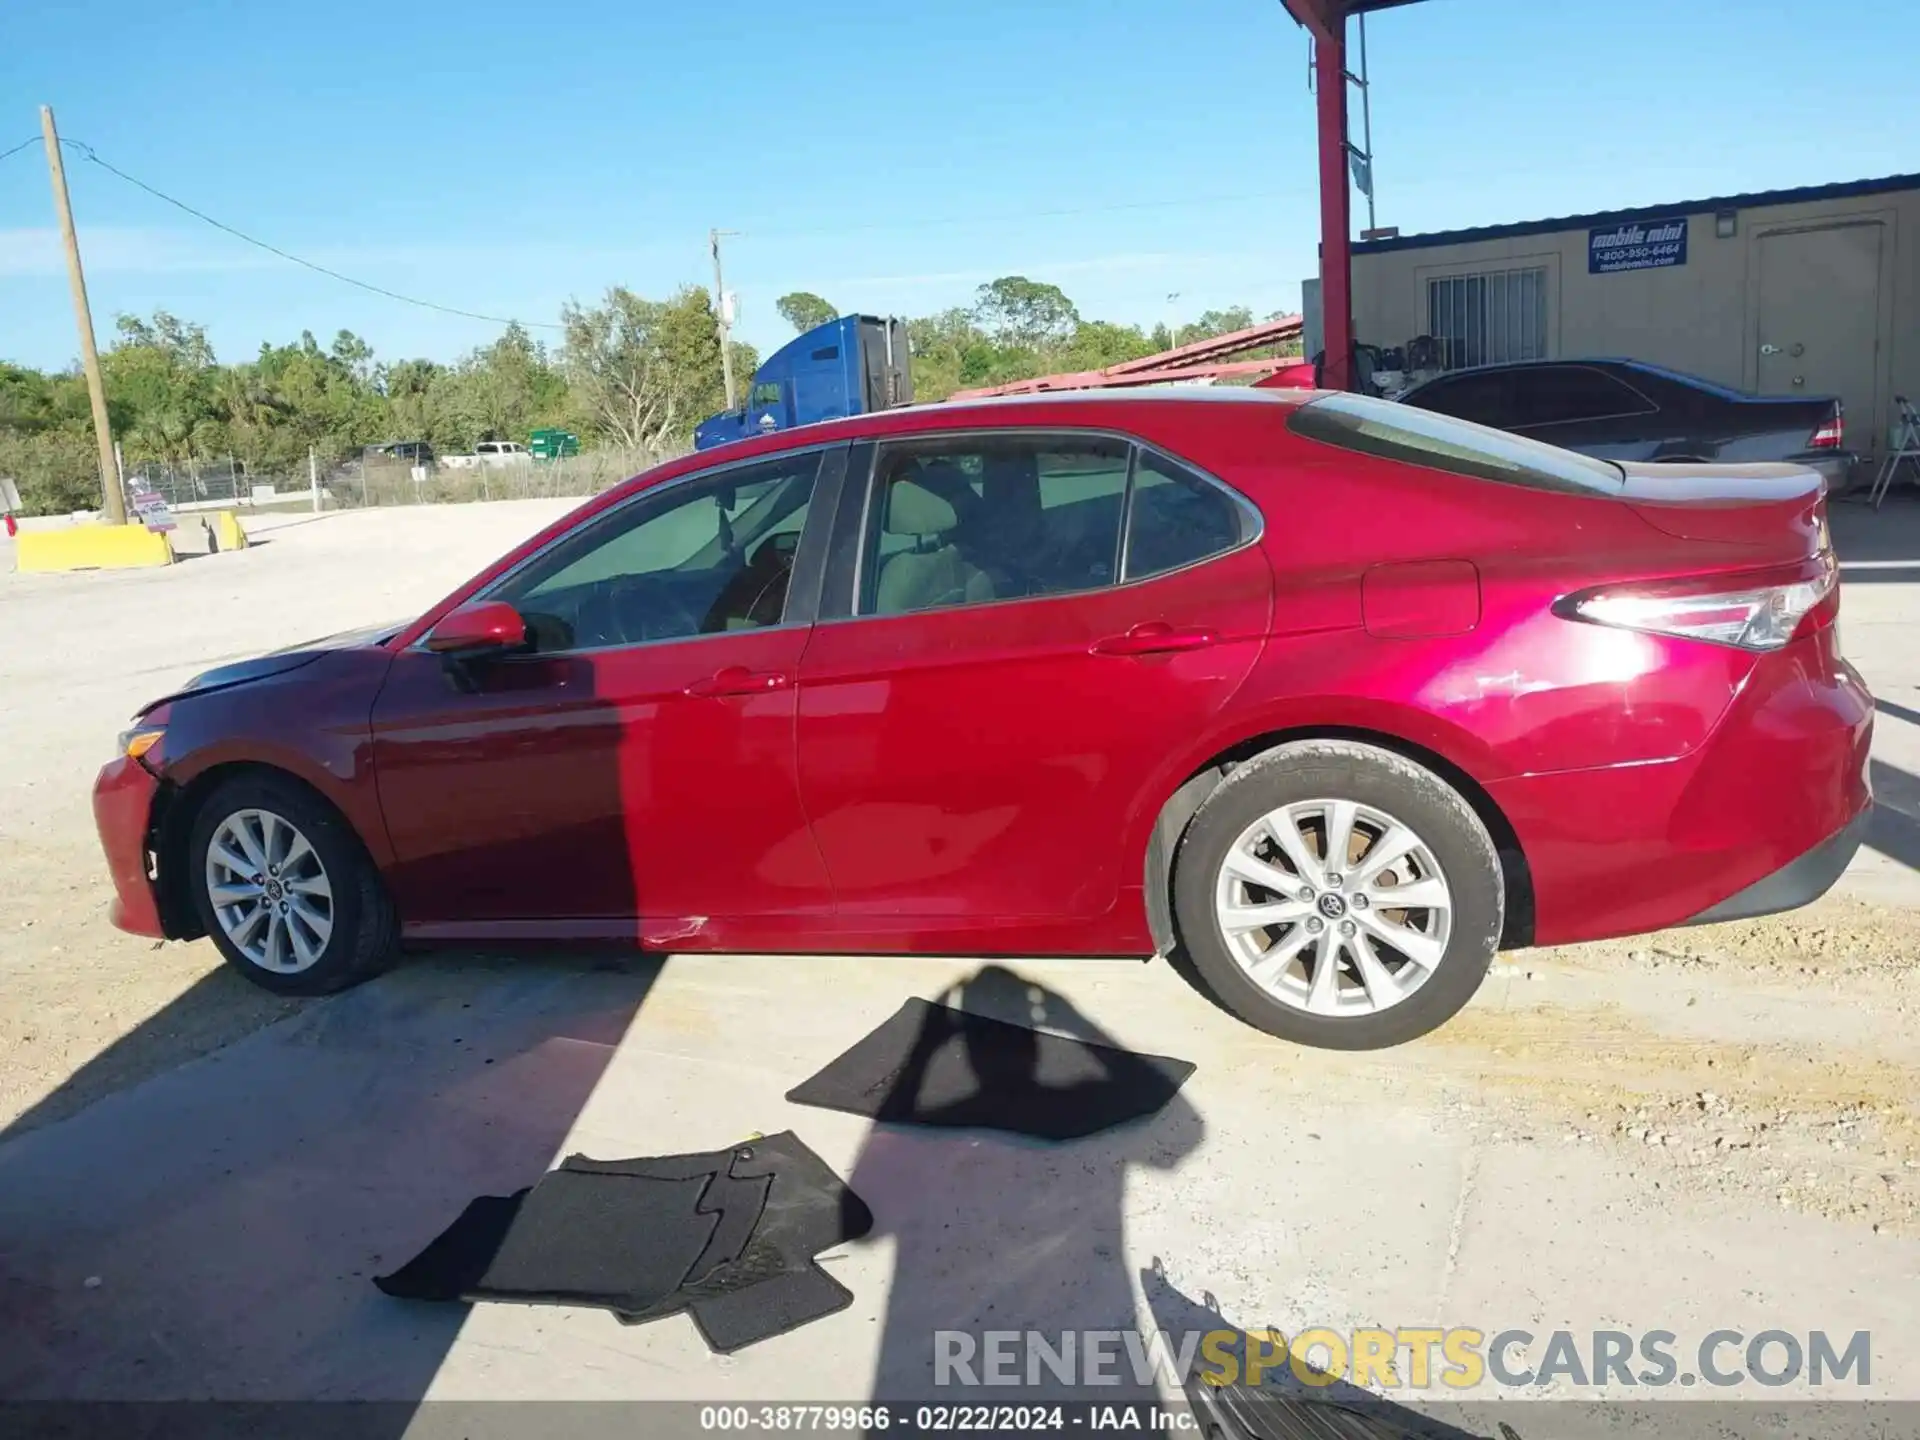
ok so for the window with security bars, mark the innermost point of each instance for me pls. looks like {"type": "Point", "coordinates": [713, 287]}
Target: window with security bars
{"type": "Point", "coordinates": [1489, 318]}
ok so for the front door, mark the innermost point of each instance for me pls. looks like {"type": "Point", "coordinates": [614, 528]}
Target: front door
{"type": "Point", "coordinates": [1819, 316]}
{"type": "Point", "coordinates": [632, 776]}
{"type": "Point", "coordinates": [767, 408]}
{"type": "Point", "coordinates": [976, 737]}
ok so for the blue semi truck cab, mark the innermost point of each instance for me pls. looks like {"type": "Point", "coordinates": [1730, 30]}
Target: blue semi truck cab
{"type": "Point", "coordinates": [848, 366]}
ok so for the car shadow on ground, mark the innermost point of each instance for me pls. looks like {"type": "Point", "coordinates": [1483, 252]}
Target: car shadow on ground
{"type": "Point", "coordinates": [213, 1232]}
{"type": "Point", "coordinates": [1036, 1226]}
{"type": "Point", "coordinates": [1894, 829]}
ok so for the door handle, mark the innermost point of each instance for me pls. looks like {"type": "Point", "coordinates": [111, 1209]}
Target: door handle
{"type": "Point", "coordinates": [738, 680]}
{"type": "Point", "coordinates": [1153, 638]}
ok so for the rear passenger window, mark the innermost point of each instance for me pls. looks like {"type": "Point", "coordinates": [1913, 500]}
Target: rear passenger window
{"type": "Point", "coordinates": [1484, 398]}
{"type": "Point", "coordinates": [1177, 519]}
{"type": "Point", "coordinates": [1558, 394]}
{"type": "Point", "coordinates": [958, 522]}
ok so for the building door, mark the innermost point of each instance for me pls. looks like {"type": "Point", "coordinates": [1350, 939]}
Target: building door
{"type": "Point", "coordinates": [1820, 318]}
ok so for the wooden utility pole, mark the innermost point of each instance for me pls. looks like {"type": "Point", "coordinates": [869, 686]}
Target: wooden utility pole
{"type": "Point", "coordinates": [720, 314]}
{"type": "Point", "coordinates": [115, 507]}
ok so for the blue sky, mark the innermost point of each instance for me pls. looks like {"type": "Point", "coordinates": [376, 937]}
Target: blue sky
{"type": "Point", "coordinates": [506, 157]}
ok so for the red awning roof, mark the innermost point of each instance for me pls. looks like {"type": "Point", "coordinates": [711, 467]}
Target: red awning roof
{"type": "Point", "coordinates": [1318, 15]}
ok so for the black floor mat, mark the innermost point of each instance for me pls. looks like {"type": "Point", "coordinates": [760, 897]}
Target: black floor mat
{"type": "Point", "coordinates": [738, 1318]}
{"type": "Point", "coordinates": [731, 1233]}
{"type": "Point", "coordinates": [572, 1240]}
{"type": "Point", "coordinates": [934, 1065]}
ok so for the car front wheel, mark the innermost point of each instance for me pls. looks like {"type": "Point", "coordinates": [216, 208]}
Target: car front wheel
{"type": "Point", "coordinates": [285, 890]}
{"type": "Point", "coordinates": [1339, 895]}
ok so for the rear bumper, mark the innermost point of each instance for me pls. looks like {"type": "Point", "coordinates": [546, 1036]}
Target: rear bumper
{"type": "Point", "coordinates": [1835, 467]}
{"type": "Point", "coordinates": [1772, 801]}
{"type": "Point", "coordinates": [1798, 882]}
{"type": "Point", "coordinates": [123, 812]}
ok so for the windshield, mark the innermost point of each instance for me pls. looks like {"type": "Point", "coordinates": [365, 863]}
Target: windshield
{"type": "Point", "coordinates": [1421, 437]}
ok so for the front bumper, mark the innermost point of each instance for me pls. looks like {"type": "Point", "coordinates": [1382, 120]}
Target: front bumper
{"type": "Point", "coordinates": [123, 799]}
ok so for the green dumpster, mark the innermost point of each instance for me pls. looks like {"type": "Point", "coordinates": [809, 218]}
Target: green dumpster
{"type": "Point", "coordinates": [552, 444]}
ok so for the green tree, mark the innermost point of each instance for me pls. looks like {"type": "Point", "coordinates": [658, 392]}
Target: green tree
{"type": "Point", "coordinates": [1097, 344]}
{"type": "Point", "coordinates": [804, 310]}
{"type": "Point", "coordinates": [1216, 322]}
{"type": "Point", "coordinates": [631, 370]}
{"type": "Point", "coordinates": [1025, 314]}
{"type": "Point", "coordinates": [645, 371]}
{"type": "Point", "coordinates": [161, 386]}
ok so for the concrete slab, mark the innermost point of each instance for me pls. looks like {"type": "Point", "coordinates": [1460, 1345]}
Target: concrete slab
{"type": "Point", "coordinates": [211, 1234]}
{"type": "Point", "coordinates": [235, 1210]}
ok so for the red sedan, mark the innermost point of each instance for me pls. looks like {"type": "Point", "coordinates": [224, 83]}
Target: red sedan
{"type": "Point", "coordinates": [1338, 695]}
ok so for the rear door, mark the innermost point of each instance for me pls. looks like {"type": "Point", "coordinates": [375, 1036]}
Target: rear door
{"type": "Point", "coordinates": [1029, 622]}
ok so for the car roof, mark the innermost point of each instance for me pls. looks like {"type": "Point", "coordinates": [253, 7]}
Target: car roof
{"type": "Point", "coordinates": [906, 417]}
{"type": "Point", "coordinates": [1073, 408]}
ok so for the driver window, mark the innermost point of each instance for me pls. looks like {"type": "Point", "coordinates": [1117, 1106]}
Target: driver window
{"type": "Point", "coordinates": [703, 557]}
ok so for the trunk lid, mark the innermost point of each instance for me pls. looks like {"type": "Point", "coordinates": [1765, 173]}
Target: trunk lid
{"type": "Point", "coordinates": [1776, 511]}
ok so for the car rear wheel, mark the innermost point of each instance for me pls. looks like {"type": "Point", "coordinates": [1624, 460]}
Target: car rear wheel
{"type": "Point", "coordinates": [1339, 895]}
{"type": "Point", "coordinates": [285, 890]}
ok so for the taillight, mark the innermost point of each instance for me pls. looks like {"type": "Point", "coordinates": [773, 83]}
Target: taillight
{"type": "Point", "coordinates": [1757, 610]}
{"type": "Point", "coordinates": [1833, 434]}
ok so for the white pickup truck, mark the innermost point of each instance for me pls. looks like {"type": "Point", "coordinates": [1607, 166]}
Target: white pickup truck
{"type": "Point", "coordinates": [491, 454]}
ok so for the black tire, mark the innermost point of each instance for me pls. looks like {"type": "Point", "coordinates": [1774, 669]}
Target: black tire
{"type": "Point", "coordinates": [1343, 770]}
{"type": "Point", "coordinates": [363, 939]}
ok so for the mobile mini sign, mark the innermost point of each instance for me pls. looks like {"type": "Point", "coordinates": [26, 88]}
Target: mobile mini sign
{"type": "Point", "coordinates": [1637, 245]}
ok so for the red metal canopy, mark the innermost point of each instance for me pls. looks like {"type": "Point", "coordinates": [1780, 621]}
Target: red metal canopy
{"type": "Point", "coordinates": [1196, 360]}
{"type": "Point", "coordinates": [1326, 21]}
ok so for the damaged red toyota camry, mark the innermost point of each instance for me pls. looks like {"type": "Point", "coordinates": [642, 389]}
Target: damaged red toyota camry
{"type": "Point", "coordinates": [1335, 695]}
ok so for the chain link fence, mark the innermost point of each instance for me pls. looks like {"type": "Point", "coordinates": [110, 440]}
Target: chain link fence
{"type": "Point", "coordinates": [376, 478]}
{"type": "Point", "coordinates": [218, 481]}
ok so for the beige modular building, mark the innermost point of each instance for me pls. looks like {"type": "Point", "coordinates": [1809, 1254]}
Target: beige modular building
{"type": "Point", "coordinates": [1810, 291]}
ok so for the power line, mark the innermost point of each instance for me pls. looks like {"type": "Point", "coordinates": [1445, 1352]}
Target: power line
{"type": "Point", "coordinates": [30, 140]}
{"type": "Point", "coordinates": [91, 154]}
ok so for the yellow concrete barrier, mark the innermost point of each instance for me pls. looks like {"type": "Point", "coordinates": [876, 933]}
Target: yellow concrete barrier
{"type": "Point", "coordinates": [227, 531]}
{"type": "Point", "coordinates": [90, 547]}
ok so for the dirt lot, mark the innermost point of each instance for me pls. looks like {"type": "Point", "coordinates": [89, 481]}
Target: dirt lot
{"type": "Point", "coordinates": [1770, 1064]}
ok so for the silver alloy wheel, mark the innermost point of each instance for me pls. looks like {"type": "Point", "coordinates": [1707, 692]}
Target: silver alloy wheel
{"type": "Point", "coordinates": [269, 890]}
{"type": "Point", "coordinates": [1352, 937]}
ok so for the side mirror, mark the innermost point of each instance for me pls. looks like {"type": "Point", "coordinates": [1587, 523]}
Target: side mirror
{"type": "Point", "coordinates": [478, 628]}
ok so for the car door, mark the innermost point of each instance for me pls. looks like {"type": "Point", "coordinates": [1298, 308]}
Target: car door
{"type": "Point", "coordinates": [632, 774]}
{"type": "Point", "coordinates": [1028, 623]}
{"type": "Point", "coordinates": [767, 408]}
